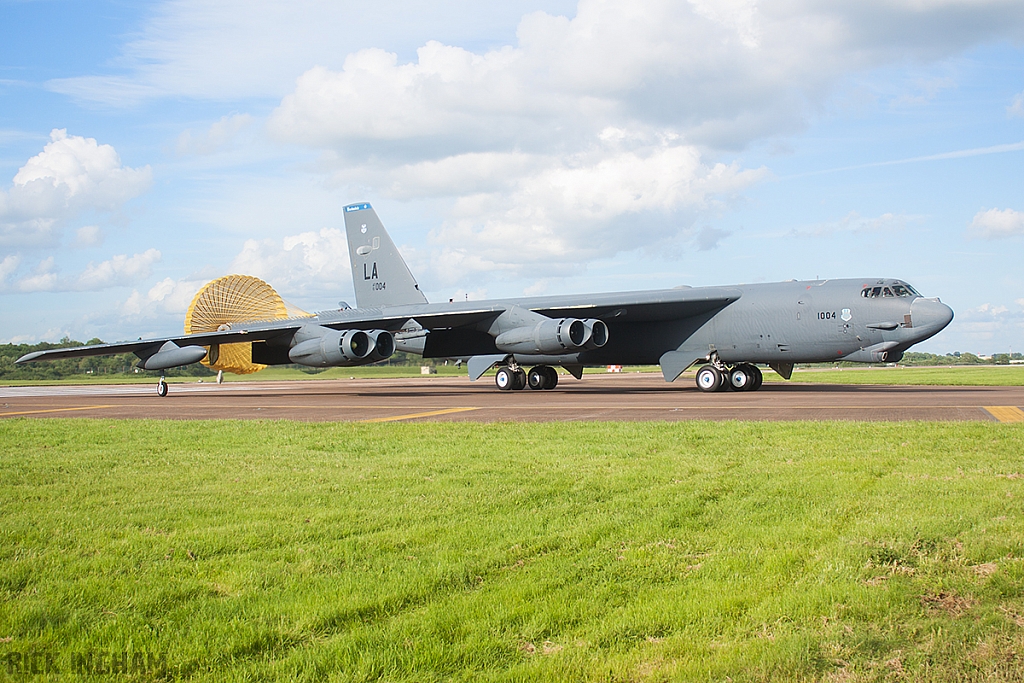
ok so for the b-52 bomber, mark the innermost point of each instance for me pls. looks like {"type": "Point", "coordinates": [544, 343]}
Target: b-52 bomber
{"type": "Point", "coordinates": [728, 330]}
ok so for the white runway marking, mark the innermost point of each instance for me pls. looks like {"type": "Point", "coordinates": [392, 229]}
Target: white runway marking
{"type": "Point", "coordinates": [120, 389]}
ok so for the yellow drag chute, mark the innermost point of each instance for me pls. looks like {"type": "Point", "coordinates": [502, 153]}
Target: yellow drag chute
{"type": "Point", "coordinates": [234, 299]}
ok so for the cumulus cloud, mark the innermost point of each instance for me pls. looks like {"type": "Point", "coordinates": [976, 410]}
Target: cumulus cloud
{"type": "Point", "coordinates": [219, 136]}
{"type": "Point", "coordinates": [558, 212]}
{"type": "Point", "coordinates": [307, 264]}
{"type": "Point", "coordinates": [996, 223]}
{"type": "Point", "coordinates": [119, 270]}
{"type": "Point", "coordinates": [71, 175]}
{"type": "Point", "coordinates": [167, 297]}
{"type": "Point", "coordinates": [720, 74]}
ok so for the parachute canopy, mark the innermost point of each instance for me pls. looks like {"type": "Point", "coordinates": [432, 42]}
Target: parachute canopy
{"type": "Point", "coordinates": [234, 299]}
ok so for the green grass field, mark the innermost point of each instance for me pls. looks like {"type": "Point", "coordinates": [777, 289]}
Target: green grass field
{"type": "Point", "coordinates": [964, 375]}
{"type": "Point", "coordinates": [248, 551]}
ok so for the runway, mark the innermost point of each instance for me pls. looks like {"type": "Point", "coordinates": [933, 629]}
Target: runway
{"type": "Point", "coordinates": [456, 399]}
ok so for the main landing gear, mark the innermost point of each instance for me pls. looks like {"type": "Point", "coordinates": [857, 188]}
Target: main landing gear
{"type": "Point", "coordinates": [512, 377]}
{"type": "Point", "coordinates": [742, 377]}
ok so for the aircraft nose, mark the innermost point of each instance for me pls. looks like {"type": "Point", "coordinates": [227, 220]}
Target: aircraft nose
{"type": "Point", "coordinates": [930, 315]}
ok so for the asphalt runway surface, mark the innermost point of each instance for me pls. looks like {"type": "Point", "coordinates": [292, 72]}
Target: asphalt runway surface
{"type": "Point", "coordinates": [456, 399]}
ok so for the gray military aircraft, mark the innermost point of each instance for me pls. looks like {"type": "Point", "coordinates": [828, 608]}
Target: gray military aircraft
{"type": "Point", "coordinates": [728, 329]}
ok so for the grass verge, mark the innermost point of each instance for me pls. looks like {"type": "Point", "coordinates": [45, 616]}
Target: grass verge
{"type": "Point", "coordinates": [581, 551]}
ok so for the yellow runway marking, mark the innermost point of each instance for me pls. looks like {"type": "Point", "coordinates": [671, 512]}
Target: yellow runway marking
{"type": "Point", "coordinates": [413, 416]}
{"type": "Point", "coordinates": [1005, 413]}
{"type": "Point", "coordinates": [54, 410]}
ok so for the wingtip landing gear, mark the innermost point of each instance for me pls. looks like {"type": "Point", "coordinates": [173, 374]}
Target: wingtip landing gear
{"type": "Point", "coordinates": [161, 388]}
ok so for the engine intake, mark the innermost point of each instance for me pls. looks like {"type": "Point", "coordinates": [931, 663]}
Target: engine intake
{"type": "Point", "coordinates": [340, 348]}
{"type": "Point", "coordinates": [554, 337]}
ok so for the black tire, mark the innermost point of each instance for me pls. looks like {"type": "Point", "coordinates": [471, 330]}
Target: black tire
{"type": "Point", "coordinates": [537, 378]}
{"type": "Point", "coordinates": [161, 388]}
{"type": "Point", "coordinates": [741, 378]}
{"type": "Point", "coordinates": [552, 377]}
{"type": "Point", "coordinates": [505, 379]}
{"type": "Point", "coordinates": [520, 380]}
{"type": "Point", "coordinates": [709, 378]}
{"type": "Point", "coordinates": [758, 378]}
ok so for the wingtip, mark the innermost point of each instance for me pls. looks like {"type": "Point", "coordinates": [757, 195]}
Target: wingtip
{"type": "Point", "coordinates": [29, 357]}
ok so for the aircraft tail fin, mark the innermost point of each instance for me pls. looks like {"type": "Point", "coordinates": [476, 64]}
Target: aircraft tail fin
{"type": "Point", "coordinates": [379, 273]}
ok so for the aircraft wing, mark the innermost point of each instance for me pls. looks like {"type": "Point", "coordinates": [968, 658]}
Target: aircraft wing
{"type": "Point", "coordinates": [625, 306]}
{"type": "Point", "coordinates": [648, 306]}
{"type": "Point", "coordinates": [201, 339]}
{"type": "Point", "coordinates": [665, 304]}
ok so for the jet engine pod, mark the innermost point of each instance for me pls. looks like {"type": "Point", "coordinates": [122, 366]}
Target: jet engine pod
{"type": "Point", "coordinates": [597, 333]}
{"type": "Point", "coordinates": [335, 348]}
{"type": "Point", "coordinates": [553, 337]}
{"type": "Point", "coordinates": [170, 355]}
{"type": "Point", "coordinates": [383, 345]}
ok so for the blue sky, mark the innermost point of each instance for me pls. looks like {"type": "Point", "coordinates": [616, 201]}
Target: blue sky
{"type": "Point", "coordinates": [531, 148]}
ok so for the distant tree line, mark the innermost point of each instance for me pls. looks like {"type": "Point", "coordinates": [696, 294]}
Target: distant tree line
{"type": "Point", "coordinates": [121, 364]}
{"type": "Point", "coordinates": [957, 358]}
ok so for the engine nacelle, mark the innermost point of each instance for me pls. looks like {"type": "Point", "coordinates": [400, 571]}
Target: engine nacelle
{"type": "Point", "coordinates": [171, 355]}
{"type": "Point", "coordinates": [554, 337]}
{"type": "Point", "coordinates": [341, 348]}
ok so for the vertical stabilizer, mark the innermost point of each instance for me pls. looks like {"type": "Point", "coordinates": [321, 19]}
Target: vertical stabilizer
{"type": "Point", "coordinates": [379, 273]}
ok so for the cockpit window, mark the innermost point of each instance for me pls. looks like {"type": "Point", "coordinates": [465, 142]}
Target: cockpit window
{"type": "Point", "coordinates": [895, 290]}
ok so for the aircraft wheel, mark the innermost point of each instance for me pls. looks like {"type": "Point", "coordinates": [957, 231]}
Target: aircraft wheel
{"type": "Point", "coordinates": [758, 378]}
{"type": "Point", "coordinates": [537, 378]}
{"type": "Point", "coordinates": [741, 378]}
{"type": "Point", "coordinates": [520, 379]}
{"type": "Point", "coordinates": [161, 388]}
{"type": "Point", "coordinates": [552, 377]}
{"type": "Point", "coordinates": [505, 379]}
{"type": "Point", "coordinates": [709, 378]}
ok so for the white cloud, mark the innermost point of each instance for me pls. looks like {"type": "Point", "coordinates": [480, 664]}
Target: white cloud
{"type": "Point", "coordinates": [720, 74]}
{"type": "Point", "coordinates": [307, 264]}
{"type": "Point", "coordinates": [167, 297]}
{"type": "Point", "coordinates": [853, 222]}
{"type": "Point", "coordinates": [71, 174]}
{"type": "Point", "coordinates": [228, 49]}
{"type": "Point", "coordinates": [89, 236]}
{"type": "Point", "coordinates": [219, 136]}
{"type": "Point", "coordinates": [1016, 108]}
{"type": "Point", "coordinates": [117, 271]}
{"type": "Point", "coordinates": [42, 279]}
{"type": "Point", "coordinates": [564, 211]}
{"type": "Point", "coordinates": [995, 223]}
{"type": "Point", "coordinates": [989, 309]}
{"type": "Point", "coordinates": [8, 266]}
